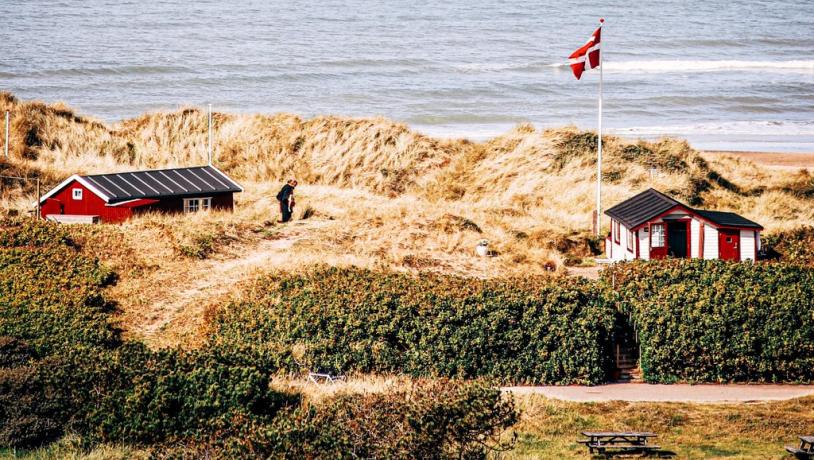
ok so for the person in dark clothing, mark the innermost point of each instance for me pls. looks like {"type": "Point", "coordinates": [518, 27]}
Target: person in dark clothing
{"type": "Point", "coordinates": [286, 199]}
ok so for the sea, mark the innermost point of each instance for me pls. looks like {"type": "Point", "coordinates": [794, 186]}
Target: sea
{"type": "Point", "coordinates": [725, 74]}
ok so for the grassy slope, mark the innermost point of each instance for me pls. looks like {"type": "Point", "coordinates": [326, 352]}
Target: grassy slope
{"type": "Point", "coordinates": [525, 180]}
{"type": "Point", "coordinates": [549, 429]}
{"type": "Point", "coordinates": [377, 193]}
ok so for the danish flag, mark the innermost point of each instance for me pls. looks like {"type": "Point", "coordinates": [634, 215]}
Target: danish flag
{"type": "Point", "coordinates": [587, 56]}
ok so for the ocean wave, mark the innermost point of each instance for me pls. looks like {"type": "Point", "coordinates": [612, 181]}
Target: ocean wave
{"type": "Point", "coordinates": [477, 67]}
{"type": "Point", "coordinates": [459, 119]}
{"type": "Point", "coordinates": [732, 128]}
{"type": "Point", "coordinates": [684, 66]}
{"type": "Point", "coordinates": [108, 70]}
{"type": "Point", "coordinates": [643, 66]}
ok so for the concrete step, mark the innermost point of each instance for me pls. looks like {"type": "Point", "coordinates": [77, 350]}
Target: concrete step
{"type": "Point", "coordinates": [631, 375]}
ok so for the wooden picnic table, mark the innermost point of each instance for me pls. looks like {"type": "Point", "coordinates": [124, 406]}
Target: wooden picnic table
{"type": "Point", "coordinates": [806, 448]}
{"type": "Point", "coordinates": [601, 441]}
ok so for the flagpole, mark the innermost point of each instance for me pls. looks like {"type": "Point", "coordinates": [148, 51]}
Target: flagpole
{"type": "Point", "coordinates": [599, 145]}
{"type": "Point", "coordinates": [209, 139]}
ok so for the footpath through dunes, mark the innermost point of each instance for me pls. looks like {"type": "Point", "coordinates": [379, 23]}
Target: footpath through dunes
{"type": "Point", "coordinates": [176, 307]}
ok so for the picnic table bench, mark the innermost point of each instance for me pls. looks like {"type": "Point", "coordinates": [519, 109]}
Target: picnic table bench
{"type": "Point", "coordinates": [806, 448]}
{"type": "Point", "coordinates": [318, 378]}
{"type": "Point", "coordinates": [622, 441]}
{"type": "Point", "coordinates": [321, 376]}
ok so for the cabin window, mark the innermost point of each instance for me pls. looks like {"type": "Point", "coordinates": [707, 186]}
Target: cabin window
{"type": "Point", "coordinates": [77, 193]}
{"type": "Point", "coordinates": [630, 240]}
{"type": "Point", "coordinates": [656, 235]}
{"type": "Point", "coordinates": [197, 204]}
{"type": "Point", "coordinates": [616, 231]}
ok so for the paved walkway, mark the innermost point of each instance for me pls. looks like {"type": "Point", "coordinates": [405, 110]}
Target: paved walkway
{"type": "Point", "coordinates": [668, 393]}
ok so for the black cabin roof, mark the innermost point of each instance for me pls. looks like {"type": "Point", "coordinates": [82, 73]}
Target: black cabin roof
{"type": "Point", "coordinates": [727, 219]}
{"type": "Point", "coordinates": [162, 183]}
{"type": "Point", "coordinates": [651, 203]}
{"type": "Point", "coordinates": [640, 208]}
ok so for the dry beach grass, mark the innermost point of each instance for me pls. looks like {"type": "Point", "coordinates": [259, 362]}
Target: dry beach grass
{"type": "Point", "coordinates": [373, 193]}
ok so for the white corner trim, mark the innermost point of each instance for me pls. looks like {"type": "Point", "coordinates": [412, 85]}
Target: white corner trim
{"type": "Point", "coordinates": [67, 181]}
{"type": "Point", "coordinates": [227, 177]}
{"type": "Point", "coordinates": [124, 202]}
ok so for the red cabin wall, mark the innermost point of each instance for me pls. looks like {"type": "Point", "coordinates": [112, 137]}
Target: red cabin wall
{"type": "Point", "coordinates": [62, 202]}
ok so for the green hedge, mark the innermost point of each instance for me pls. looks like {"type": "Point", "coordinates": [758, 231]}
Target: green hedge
{"type": "Point", "coordinates": [794, 246]}
{"type": "Point", "coordinates": [431, 419]}
{"type": "Point", "coordinates": [50, 295]}
{"type": "Point", "coordinates": [131, 395]}
{"type": "Point", "coordinates": [540, 330]}
{"type": "Point", "coordinates": [716, 321]}
{"type": "Point", "coordinates": [64, 369]}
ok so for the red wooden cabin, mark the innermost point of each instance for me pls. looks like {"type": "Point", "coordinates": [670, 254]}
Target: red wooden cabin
{"type": "Point", "coordinates": [117, 197]}
{"type": "Point", "coordinates": [652, 225]}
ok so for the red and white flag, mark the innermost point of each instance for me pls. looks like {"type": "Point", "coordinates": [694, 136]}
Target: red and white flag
{"type": "Point", "coordinates": [587, 56]}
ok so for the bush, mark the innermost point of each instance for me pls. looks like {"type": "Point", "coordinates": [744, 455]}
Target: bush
{"type": "Point", "coordinates": [532, 331]}
{"type": "Point", "coordinates": [131, 395]}
{"type": "Point", "coordinates": [64, 369]}
{"type": "Point", "coordinates": [716, 321]}
{"type": "Point", "coordinates": [14, 352]}
{"type": "Point", "coordinates": [440, 419]}
{"type": "Point", "coordinates": [170, 396]}
{"type": "Point", "coordinates": [50, 295]}
{"type": "Point", "coordinates": [794, 246]}
{"type": "Point", "coordinates": [28, 232]}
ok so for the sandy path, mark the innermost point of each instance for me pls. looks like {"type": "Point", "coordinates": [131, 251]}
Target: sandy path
{"type": "Point", "coordinates": [641, 392]}
{"type": "Point", "coordinates": [780, 160]}
{"type": "Point", "coordinates": [212, 279]}
{"type": "Point", "coordinates": [591, 273]}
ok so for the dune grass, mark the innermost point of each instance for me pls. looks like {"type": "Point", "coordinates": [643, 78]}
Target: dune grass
{"type": "Point", "coordinates": [529, 192]}
{"type": "Point", "coordinates": [373, 193]}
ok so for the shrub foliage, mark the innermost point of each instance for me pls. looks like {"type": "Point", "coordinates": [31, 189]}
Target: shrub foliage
{"type": "Point", "coordinates": [795, 246]}
{"type": "Point", "coordinates": [63, 368]}
{"type": "Point", "coordinates": [540, 330]}
{"type": "Point", "coordinates": [716, 321]}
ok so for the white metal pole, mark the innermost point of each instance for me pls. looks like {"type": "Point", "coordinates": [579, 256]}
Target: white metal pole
{"type": "Point", "coordinates": [209, 142]}
{"type": "Point", "coordinates": [6, 138]}
{"type": "Point", "coordinates": [599, 144]}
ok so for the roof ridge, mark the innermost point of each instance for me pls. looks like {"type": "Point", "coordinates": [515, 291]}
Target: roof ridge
{"type": "Point", "coordinates": [146, 170]}
{"type": "Point", "coordinates": [664, 196]}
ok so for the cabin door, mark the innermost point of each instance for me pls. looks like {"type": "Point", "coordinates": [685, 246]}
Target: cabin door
{"type": "Point", "coordinates": [678, 239]}
{"type": "Point", "coordinates": [729, 244]}
{"type": "Point", "coordinates": [658, 241]}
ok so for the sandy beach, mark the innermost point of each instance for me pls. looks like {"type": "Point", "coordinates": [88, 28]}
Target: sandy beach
{"type": "Point", "coordinates": [774, 159]}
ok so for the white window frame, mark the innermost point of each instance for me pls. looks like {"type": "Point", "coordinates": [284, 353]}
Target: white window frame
{"type": "Point", "coordinates": [203, 203]}
{"type": "Point", "coordinates": [657, 239]}
{"type": "Point", "coordinates": [76, 194]}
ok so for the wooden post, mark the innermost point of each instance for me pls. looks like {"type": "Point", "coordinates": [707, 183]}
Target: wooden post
{"type": "Point", "coordinates": [39, 210]}
{"type": "Point", "coordinates": [6, 139]}
{"type": "Point", "coordinates": [594, 222]}
{"type": "Point", "coordinates": [209, 139]}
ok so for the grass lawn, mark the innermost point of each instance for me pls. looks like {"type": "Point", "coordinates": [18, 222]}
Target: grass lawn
{"type": "Point", "coordinates": [549, 428]}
